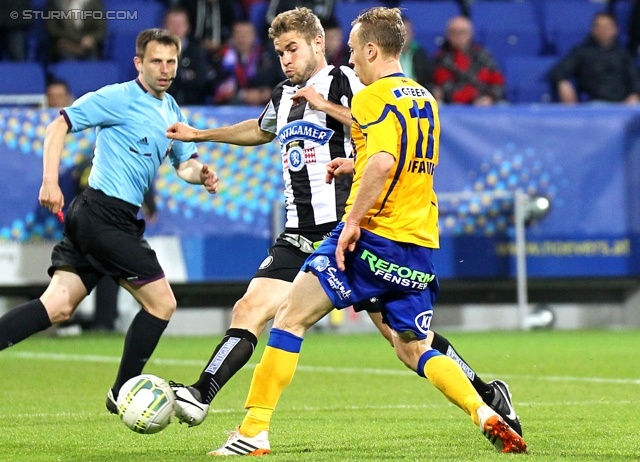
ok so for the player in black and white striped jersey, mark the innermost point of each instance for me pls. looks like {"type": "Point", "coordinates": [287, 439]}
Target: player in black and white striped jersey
{"type": "Point", "coordinates": [311, 116]}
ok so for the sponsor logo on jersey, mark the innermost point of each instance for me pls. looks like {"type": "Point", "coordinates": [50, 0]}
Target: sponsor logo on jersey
{"type": "Point", "coordinates": [301, 130]}
{"type": "Point", "coordinates": [322, 264]}
{"type": "Point", "coordinates": [410, 92]}
{"type": "Point", "coordinates": [400, 275]}
{"type": "Point", "coordinates": [423, 321]}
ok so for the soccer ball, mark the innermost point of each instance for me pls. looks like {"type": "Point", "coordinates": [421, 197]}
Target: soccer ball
{"type": "Point", "coordinates": [146, 404]}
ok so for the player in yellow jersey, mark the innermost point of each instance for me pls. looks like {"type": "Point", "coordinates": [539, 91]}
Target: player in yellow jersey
{"type": "Point", "coordinates": [382, 247]}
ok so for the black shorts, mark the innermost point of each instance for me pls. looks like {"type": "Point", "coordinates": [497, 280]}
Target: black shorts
{"type": "Point", "coordinates": [103, 236]}
{"type": "Point", "coordinates": [285, 258]}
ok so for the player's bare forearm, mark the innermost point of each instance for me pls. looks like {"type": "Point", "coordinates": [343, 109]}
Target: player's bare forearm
{"type": "Point", "coordinates": [319, 103]}
{"type": "Point", "coordinates": [338, 112]}
{"type": "Point", "coordinates": [338, 167]}
{"type": "Point", "coordinates": [246, 133]}
{"type": "Point", "coordinates": [374, 177]}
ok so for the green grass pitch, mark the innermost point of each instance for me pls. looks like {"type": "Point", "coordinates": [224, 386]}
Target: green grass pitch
{"type": "Point", "coordinates": [577, 393]}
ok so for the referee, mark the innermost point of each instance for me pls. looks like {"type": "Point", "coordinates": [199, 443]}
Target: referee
{"type": "Point", "coordinates": [102, 232]}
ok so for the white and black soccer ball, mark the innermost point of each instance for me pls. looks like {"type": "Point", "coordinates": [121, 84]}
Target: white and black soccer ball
{"type": "Point", "coordinates": [146, 404]}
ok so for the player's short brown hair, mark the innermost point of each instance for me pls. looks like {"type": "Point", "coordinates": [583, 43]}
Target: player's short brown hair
{"type": "Point", "coordinates": [382, 26]}
{"type": "Point", "coordinates": [301, 20]}
{"type": "Point", "coordinates": [162, 36]}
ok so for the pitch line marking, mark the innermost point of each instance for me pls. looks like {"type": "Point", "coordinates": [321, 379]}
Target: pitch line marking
{"type": "Point", "coordinates": [106, 415]}
{"type": "Point", "coordinates": [302, 368]}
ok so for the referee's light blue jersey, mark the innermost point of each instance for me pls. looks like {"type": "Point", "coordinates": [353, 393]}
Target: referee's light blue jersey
{"type": "Point", "coordinates": [130, 137]}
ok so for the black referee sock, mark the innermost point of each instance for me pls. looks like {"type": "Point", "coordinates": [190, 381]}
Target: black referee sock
{"type": "Point", "coordinates": [230, 355]}
{"type": "Point", "coordinates": [142, 337]}
{"type": "Point", "coordinates": [22, 322]}
{"type": "Point", "coordinates": [444, 346]}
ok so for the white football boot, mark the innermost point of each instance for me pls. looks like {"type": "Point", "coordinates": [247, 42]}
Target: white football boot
{"type": "Point", "coordinates": [240, 445]}
{"type": "Point", "coordinates": [189, 408]}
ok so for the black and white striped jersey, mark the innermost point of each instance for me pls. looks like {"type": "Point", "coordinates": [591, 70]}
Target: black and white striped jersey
{"type": "Point", "coordinates": [309, 139]}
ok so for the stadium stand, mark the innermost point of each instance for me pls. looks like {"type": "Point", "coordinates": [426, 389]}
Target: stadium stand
{"type": "Point", "coordinates": [257, 15]}
{"type": "Point", "coordinates": [122, 49]}
{"type": "Point", "coordinates": [622, 12]}
{"type": "Point", "coordinates": [22, 78]}
{"type": "Point", "coordinates": [429, 20]}
{"type": "Point", "coordinates": [86, 76]}
{"type": "Point", "coordinates": [347, 12]}
{"type": "Point", "coordinates": [22, 83]}
{"type": "Point", "coordinates": [526, 79]}
{"type": "Point", "coordinates": [507, 29]}
{"type": "Point", "coordinates": [566, 23]}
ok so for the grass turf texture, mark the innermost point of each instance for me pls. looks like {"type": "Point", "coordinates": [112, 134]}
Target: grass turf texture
{"type": "Point", "coordinates": [577, 394]}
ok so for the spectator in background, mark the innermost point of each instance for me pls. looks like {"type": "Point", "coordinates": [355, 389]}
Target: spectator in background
{"type": "Point", "coordinates": [466, 72]}
{"type": "Point", "coordinates": [58, 94]}
{"type": "Point", "coordinates": [335, 47]}
{"type": "Point", "coordinates": [414, 60]}
{"type": "Point", "coordinates": [247, 72]}
{"type": "Point", "coordinates": [188, 88]}
{"type": "Point", "coordinates": [212, 21]}
{"type": "Point", "coordinates": [77, 36]}
{"type": "Point", "coordinates": [601, 69]}
{"type": "Point", "coordinates": [13, 31]}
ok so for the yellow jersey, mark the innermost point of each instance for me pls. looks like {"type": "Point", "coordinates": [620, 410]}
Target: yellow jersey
{"type": "Point", "coordinates": [398, 116]}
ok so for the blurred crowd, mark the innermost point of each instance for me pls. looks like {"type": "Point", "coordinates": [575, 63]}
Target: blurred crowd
{"type": "Point", "coordinates": [228, 60]}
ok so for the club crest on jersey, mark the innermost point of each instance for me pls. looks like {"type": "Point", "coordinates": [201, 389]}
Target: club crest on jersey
{"type": "Point", "coordinates": [320, 263]}
{"type": "Point", "coordinates": [295, 159]}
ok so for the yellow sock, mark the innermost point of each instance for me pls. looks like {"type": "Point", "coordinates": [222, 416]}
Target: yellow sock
{"type": "Point", "coordinates": [270, 378]}
{"type": "Point", "coordinates": [447, 377]}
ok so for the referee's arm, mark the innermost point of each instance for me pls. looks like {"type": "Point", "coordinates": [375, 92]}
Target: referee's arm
{"type": "Point", "coordinates": [50, 195]}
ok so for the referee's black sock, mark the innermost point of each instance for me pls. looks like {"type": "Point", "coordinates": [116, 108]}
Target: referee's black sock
{"type": "Point", "coordinates": [22, 322]}
{"type": "Point", "coordinates": [233, 352]}
{"type": "Point", "coordinates": [444, 346]}
{"type": "Point", "coordinates": [142, 337]}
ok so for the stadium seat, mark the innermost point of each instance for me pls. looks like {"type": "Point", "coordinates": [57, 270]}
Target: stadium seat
{"type": "Point", "coordinates": [122, 49]}
{"type": "Point", "coordinates": [429, 21]}
{"type": "Point", "coordinates": [507, 29]}
{"type": "Point", "coordinates": [257, 15]}
{"type": "Point", "coordinates": [622, 12]}
{"type": "Point", "coordinates": [567, 22]}
{"type": "Point", "coordinates": [526, 78]}
{"type": "Point", "coordinates": [24, 78]}
{"type": "Point", "coordinates": [345, 13]}
{"type": "Point", "coordinates": [86, 76]}
{"type": "Point", "coordinates": [137, 15]}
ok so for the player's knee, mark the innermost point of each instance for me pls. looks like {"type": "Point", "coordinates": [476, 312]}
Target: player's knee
{"type": "Point", "coordinates": [249, 315]}
{"type": "Point", "coordinates": [59, 306]}
{"type": "Point", "coordinates": [58, 312]}
{"type": "Point", "coordinates": [162, 308]}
